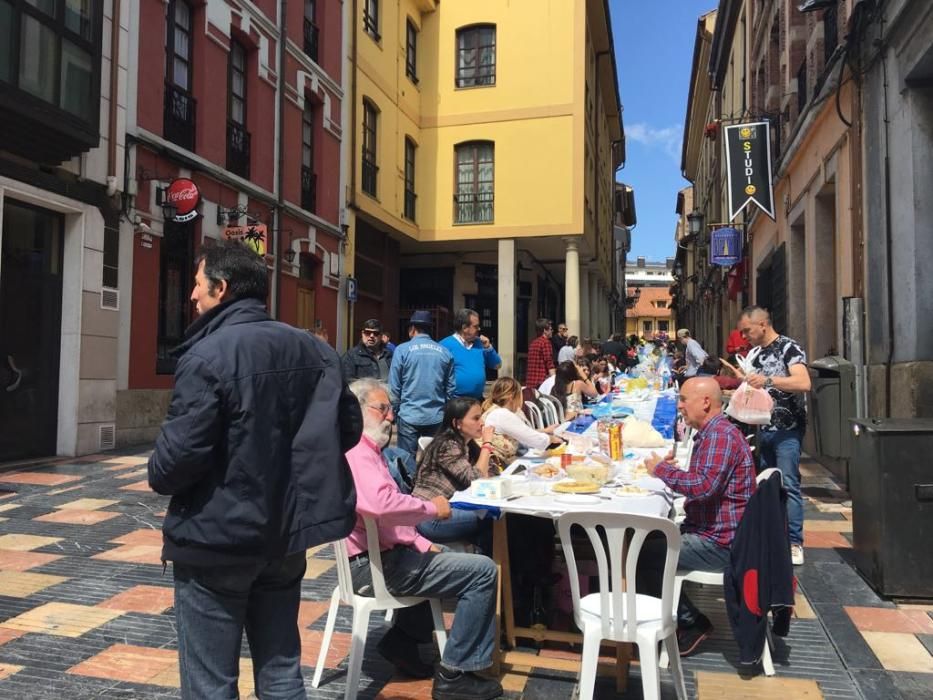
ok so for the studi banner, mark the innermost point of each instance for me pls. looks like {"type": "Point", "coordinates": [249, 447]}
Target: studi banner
{"type": "Point", "coordinates": [748, 157]}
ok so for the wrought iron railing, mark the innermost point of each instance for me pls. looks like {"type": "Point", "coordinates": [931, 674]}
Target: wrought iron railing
{"type": "Point", "coordinates": [238, 140]}
{"type": "Point", "coordinates": [473, 207]}
{"type": "Point", "coordinates": [180, 110]}
{"type": "Point", "coordinates": [370, 175]}
{"type": "Point", "coordinates": [410, 199]}
{"type": "Point", "coordinates": [308, 189]}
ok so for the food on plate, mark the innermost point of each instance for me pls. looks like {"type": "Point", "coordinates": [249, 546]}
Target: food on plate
{"type": "Point", "coordinates": [589, 472]}
{"type": "Point", "coordinates": [631, 491]}
{"type": "Point", "coordinates": [546, 471]}
{"type": "Point", "coordinates": [575, 487]}
{"type": "Point", "coordinates": [556, 451]}
{"type": "Point", "coordinates": [638, 433]}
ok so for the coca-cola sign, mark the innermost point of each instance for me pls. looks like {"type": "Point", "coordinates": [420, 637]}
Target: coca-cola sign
{"type": "Point", "coordinates": [185, 196]}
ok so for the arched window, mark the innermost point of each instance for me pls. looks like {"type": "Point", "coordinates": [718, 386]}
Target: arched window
{"type": "Point", "coordinates": [475, 182]}
{"type": "Point", "coordinates": [476, 55]}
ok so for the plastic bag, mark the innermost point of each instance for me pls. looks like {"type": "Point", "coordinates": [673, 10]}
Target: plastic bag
{"type": "Point", "coordinates": [750, 405]}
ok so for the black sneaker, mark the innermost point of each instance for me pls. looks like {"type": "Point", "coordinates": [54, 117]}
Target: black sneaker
{"type": "Point", "coordinates": [689, 638]}
{"type": "Point", "coordinates": [401, 651]}
{"type": "Point", "coordinates": [459, 685]}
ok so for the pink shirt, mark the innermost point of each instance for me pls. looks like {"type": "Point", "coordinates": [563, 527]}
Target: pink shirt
{"type": "Point", "coordinates": [378, 497]}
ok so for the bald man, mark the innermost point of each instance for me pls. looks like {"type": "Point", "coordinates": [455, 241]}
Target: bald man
{"type": "Point", "coordinates": [718, 483]}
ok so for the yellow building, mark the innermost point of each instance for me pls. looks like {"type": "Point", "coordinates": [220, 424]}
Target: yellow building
{"type": "Point", "coordinates": [485, 141]}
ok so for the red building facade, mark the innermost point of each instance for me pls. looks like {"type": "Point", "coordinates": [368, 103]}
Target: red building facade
{"type": "Point", "coordinates": [208, 102]}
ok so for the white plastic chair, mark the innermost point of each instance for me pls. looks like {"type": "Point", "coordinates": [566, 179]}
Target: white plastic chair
{"type": "Point", "coordinates": [423, 443]}
{"type": "Point", "coordinates": [363, 606]}
{"type": "Point", "coordinates": [714, 578]}
{"type": "Point", "coordinates": [623, 615]}
{"type": "Point", "coordinates": [534, 415]}
{"type": "Point", "coordinates": [555, 404]}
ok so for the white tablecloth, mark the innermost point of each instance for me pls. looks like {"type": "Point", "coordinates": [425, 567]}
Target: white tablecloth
{"type": "Point", "coordinates": [552, 505]}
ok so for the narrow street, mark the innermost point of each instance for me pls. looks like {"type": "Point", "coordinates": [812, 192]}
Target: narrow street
{"type": "Point", "coordinates": [86, 610]}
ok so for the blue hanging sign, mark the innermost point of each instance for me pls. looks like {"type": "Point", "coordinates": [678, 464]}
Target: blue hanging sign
{"type": "Point", "coordinates": [726, 246]}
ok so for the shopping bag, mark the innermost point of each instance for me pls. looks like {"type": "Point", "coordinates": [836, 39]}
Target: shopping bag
{"type": "Point", "coordinates": [750, 405]}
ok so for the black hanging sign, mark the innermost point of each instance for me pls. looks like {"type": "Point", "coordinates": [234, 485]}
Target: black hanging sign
{"type": "Point", "coordinates": [748, 159]}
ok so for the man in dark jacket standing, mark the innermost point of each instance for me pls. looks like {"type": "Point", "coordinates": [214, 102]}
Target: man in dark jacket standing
{"type": "Point", "coordinates": [369, 359]}
{"type": "Point", "coordinates": [247, 454]}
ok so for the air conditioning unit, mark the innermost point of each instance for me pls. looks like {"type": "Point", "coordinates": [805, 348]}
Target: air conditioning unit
{"type": "Point", "coordinates": [107, 436]}
{"type": "Point", "coordinates": [110, 298]}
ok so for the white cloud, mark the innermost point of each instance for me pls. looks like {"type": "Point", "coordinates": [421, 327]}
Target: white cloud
{"type": "Point", "coordinates": [668, 139]}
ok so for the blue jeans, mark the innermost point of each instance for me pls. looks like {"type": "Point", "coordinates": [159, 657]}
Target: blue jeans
{"type": "Point", "coordinates": [470, 579]}
{"type": "Point", "coordinates": [781, 449]}
{"type": "Point", "coordinates": [461, 526]}
{"type": "Point", "coordinates": [213, 605]}
{"type": "Point", "coordinates": [696, 554]}
{"type": "Point", "coordinates": [408, 435]}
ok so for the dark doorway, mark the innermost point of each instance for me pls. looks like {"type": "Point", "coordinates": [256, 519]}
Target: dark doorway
{"type": "Point", "coordinates": [771, 289]}
{"type": "Point", "coordinates": [30, 330]}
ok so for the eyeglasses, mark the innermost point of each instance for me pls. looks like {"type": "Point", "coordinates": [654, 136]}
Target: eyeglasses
{"type": "Point", "coordinates": [370, 332]}
{"type": "Point", "coordinates": [384, 409]}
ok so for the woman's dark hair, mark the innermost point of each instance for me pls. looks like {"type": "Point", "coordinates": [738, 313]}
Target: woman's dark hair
{"type": "Point", "coordinates": [243, 270]}
{"type": "Point", "coordinates": [572, 341]}
{"type": "Point", "coordinates": [455, 410]}
{"type": "Point", "coordinates": [711, 365]}
{"type": "Point", "coordinates": [564, 377]}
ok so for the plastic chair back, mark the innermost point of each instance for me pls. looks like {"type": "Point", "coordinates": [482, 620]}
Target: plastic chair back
{"type": "Point", "coordinates": [608, 532]}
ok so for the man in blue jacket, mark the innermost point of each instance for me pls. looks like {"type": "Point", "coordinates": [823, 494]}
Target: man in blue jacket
{"type": "Point", "coordinates": [248, 454]}
{"type": "Point", "coordinates": [473, 354]}
{"type": "Point", "coordinates": [421, 379]}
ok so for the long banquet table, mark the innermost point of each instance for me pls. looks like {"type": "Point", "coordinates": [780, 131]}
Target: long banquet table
{"type": "Point", "coordinates": [552, 505]}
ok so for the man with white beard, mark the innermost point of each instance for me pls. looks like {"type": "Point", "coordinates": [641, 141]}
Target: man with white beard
{"type": "Point", "coordinates": [413, 566]}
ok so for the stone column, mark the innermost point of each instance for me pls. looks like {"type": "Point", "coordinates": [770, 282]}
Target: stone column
{"type": "Point", "coordinates": [572, 288]}
{"type": "Point", "coordinates": [594, 303]}
{"type": "Point", "coordinates": [584, 325]}
{"type": "Point", "coordinates": [505, 340]}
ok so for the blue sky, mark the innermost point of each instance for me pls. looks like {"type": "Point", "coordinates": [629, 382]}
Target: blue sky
{"type": "Point", "coordinates": [654, 52]}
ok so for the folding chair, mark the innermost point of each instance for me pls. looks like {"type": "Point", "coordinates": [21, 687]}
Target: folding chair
{"type": "Point", "coordinates": [363, 606]}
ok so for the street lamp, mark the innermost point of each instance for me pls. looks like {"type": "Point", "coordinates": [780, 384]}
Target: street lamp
{"type": "Point", "coordinates": [695, 222]}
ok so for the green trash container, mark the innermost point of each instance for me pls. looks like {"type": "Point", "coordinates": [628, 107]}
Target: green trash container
{"type": "Point", "coordinates": [832, 404]}
{"type": "Point", "coordinates": [891, 483]}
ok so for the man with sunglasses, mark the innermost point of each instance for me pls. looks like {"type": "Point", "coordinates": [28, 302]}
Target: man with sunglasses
{"type": "Point", "coordinates": [369, 359]}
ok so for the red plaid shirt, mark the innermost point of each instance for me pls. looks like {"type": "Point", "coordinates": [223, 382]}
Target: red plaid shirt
{"type": "Point", "coordinates": [718, 484]}
{"type": "Point", "coordinates": [540, 361]}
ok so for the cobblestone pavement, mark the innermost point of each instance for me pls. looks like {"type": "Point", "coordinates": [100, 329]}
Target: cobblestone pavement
{"type": "Point", "coordinates": [86, 610]}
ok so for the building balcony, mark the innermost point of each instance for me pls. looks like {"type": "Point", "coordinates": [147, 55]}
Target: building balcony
{"type": "Point", "coordinates": [238, 141]}
{"type": "Point", "coordinates": [179, 116]}
{"type": "Point", "coordinates": [308, 189]}
{"type": "Point", "coordinates": [370, 176]}
{"type": "Point", "coordinates": [473, 207]}
{"type": "Point", "coordinates": [410, 199]}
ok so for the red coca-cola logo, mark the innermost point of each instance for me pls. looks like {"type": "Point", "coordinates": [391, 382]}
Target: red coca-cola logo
{"type": "Point", "coordinates": [184, 194]}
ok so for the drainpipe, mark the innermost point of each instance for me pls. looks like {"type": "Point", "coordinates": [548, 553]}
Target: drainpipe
{"type": "Point", "coordinates": [346, 157]}
{"type": "Point", "coordinates": [277, 225]}
{"type": "Point", "coordinates": [114, 91]}
{"type": "Point", "coordinates": [351, 190]}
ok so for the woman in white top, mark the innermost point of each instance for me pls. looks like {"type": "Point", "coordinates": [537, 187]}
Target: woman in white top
{"type": "Point", "coordinates": [571, 384]}
{"type": "Point", "coordinates": [503, 411]}
{"type": "Point", "coordinates": [568, 352]}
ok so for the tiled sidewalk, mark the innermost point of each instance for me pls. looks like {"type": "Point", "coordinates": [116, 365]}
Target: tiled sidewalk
{"type": "Point", "coordinates": [85, 609]}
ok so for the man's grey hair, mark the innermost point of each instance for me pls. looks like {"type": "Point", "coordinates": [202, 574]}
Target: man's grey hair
{"type": "Point", "coordinates": [463, 318]}
{"type": "Point", "coordinates": [363, 388]}
{"type": "Point", "coordinates": [683, 333]}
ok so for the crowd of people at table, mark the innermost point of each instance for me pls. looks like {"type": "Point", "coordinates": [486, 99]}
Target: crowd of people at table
{"type": "Point", "coordinates": [265, 418]}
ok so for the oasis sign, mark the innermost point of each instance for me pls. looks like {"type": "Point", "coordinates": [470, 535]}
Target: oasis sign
{"type": "Point", "coordinates": [748, 165]}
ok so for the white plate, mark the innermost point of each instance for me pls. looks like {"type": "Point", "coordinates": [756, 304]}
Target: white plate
{"type": "Point", "coordinates": [577, 499]}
